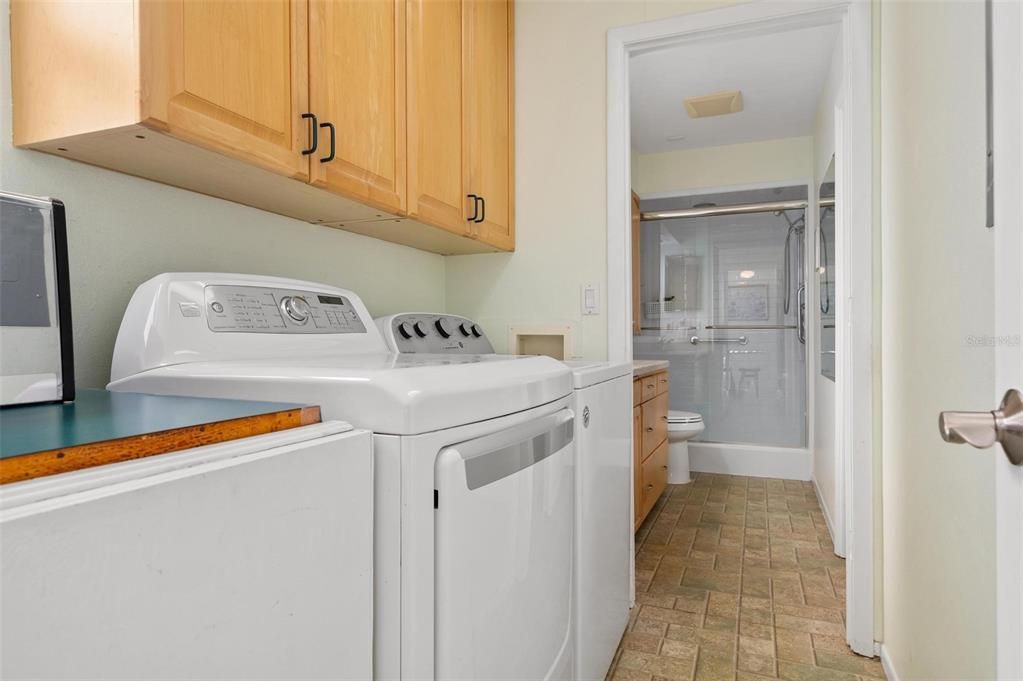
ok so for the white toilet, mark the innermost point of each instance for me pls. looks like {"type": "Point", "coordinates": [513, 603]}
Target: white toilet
{"type": "Point", "coordinates": [682, 426]}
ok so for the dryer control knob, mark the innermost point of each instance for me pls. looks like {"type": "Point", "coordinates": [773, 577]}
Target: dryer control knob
{"type": "Point", "coordinates": [420, 329]}
{"type": "Point", "coordinates": [476, 331]}
{"type": "Point", "coordinates": [405, 329]}
{"type": "Point", "coordinates": [465, 328]}
{"type": "Point", "coordinates": [443, 328]}
{"type": "Point", "coordinates": [296, 308]}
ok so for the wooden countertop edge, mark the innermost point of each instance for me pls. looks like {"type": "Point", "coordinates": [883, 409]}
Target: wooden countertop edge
{"type": "Point", "coordinates": [54, 461]}
{"type": "Point", "coordinates": [643, 372]}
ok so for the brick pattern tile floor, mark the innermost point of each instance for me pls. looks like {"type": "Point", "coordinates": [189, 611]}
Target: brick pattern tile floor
{"type": "Point", "coordinates": [736, 579]}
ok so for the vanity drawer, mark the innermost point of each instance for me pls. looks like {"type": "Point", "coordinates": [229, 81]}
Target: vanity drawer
{"type": "Point", "coordinates": [661, 380]}
{"type": "Point", "coordinates": [655, 423]}
{"type": "Point", "coordinates": [648, 386]}
{"type": "Point", "coordinates": [655, 477]}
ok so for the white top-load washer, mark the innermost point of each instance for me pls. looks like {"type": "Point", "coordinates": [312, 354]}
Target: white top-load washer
{"type": "Point", "coordinates": [474, 460]}
{"type": "Point", "coordinates": [602, 402]}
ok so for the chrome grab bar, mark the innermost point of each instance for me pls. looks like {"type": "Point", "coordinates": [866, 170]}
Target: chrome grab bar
{"type": "Point", "coordinates": [761, 327]}
{"type": "Point", "coordinates": [801, 313]}
{"type": "Point", "coordinates": [741, 340]}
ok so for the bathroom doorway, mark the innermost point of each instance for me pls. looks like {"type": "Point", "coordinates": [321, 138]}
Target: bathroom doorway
{"type": "Point", "coordinates": [798, 79]}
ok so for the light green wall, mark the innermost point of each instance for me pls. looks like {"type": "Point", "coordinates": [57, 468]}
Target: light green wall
{"type": "Point", "coordinates": [939, 534]}
{"type": "Point", "coordinates": [123, 230]}
{"type": "Point", "coordinates": [780, 160]}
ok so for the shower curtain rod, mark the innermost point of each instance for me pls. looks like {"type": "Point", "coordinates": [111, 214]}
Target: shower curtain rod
{"type": "Point", "coordinates": [739, 209]}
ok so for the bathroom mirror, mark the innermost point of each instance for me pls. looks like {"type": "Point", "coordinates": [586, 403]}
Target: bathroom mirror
{"type": "Point", "coordinates": [826, 264]}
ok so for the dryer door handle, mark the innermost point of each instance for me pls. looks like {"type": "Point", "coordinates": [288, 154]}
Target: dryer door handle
{"type": "Point", "coordinates": [496, 456]}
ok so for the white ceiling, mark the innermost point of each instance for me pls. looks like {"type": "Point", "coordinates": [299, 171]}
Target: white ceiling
{"type": "Point", "coordinates": [781, 77]}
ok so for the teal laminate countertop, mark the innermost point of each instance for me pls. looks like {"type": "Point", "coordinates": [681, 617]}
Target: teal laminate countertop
{"type": "Point", "coordinates": [100, 416]}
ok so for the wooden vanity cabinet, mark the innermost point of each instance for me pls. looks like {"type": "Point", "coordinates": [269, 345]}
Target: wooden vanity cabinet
{"type": "Point", "coordinates": [650, 442]}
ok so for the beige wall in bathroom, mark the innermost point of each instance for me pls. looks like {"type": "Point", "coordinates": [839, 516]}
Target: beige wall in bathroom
{"type": "Point", "coordinates": [561, 174]}
{"type": "Point", "coordinates": [123, 230]}
{"type": "Point", "coordinates": [780, 160]}
{"type": "Point", "coordinates": [939, 613]}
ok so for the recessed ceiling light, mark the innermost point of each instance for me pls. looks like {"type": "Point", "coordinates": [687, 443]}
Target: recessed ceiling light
{"type": "Point", "coordinates": [747, 274]}
{"type": "Point", "coordinates": [716, 104]}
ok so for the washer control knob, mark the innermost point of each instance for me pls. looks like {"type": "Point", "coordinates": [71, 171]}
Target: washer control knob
{"type": "Point", "coordinates": [296, 308]}
{"type": "Point", "coordinates": [465, 328]}
{"type": "Point", "coordinates": [405, 329]}
{"type": "Point", "coordinates": [443, 327]}
{"type": "Point", "coordinates": [476, 331]}
{"type": "Point", "coordinates": [420, 329]}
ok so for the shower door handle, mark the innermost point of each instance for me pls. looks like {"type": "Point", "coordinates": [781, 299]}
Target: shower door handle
{"type": "Point", "coordinates": [801, 313]}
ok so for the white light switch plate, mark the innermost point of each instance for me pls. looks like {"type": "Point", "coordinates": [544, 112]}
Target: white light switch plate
{"type": "Point", "coordinates": [590, 299]}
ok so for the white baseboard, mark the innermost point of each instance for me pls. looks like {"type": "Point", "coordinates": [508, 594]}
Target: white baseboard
{"type": "Point", "coordinates": [886, 664]}
{"type": "Point", "coordinates": [835, 539]}
{"type": "Point", "coordinates": [758, 462]}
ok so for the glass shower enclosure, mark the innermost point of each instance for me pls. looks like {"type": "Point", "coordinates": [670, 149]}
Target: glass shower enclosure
{"type": "Point", "coordinates": [723, 300]}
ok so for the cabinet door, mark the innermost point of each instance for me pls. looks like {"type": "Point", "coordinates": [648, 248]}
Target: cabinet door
{"type": "Point", "coordinates": [357, 83]}
{"type": "Point", "coordinates": [437, 167]}
{"type": "Point", "coordinates": [655, 477]}
{"type": "Point", "coordinates": [229, 76]}
{"type": "Point", "coordinates": [655, 423]}
{"type": "Point", "coordinates": [489, 120]}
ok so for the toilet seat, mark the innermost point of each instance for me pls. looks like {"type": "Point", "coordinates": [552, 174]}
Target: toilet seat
{"type": "Point", "coordinates": [681, 417]}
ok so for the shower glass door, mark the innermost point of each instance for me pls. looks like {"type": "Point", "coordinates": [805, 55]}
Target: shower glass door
{"type": "Point", "coordinates": [723, 303]}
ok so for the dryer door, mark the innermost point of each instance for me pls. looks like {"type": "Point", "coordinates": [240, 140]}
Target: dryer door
{"type": "Point", "coordinates": [503, 560]}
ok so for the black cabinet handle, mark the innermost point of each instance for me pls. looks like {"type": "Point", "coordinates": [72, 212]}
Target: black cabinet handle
{"type": "Point", "coordinates": [313, 132]}
{"type": "Point", "coordinates": [475, 207]}
{"type": "Point", "coordinates": [329, 157]}
{"type": "Point", "coordinates": [483, 212]}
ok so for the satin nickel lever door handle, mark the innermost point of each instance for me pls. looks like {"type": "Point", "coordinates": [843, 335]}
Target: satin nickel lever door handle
{"type": "Point", "coordinates": [982, 429]}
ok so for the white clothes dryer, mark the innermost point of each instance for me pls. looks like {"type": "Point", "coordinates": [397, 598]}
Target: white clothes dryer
{"type": "Point", "coordinates": [602, 403]}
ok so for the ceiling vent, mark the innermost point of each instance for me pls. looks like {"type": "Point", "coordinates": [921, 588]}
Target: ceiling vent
{"type": "Point", "coordinates": [717, 104]}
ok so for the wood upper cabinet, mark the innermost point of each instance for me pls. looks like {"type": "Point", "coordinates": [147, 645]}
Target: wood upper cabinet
{"type": "Point", "coordinates": [460, 130]}
{"type": "Point", "coordinates": [437, 169]}
{"type": "Point", "coordinates": [412, 99]}
{"type": "Point", "coordinates": [357, 85]}
{"type": "Point", "coordinates": [230, 76]}
{"type": "Point", "coordinates": [489, 118]}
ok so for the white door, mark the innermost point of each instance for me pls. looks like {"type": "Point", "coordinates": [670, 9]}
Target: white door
{"type": "Point", "coordinates": [1007, 62]}
{"type": "Point", "coordinates": [951, 295]}
{"type": "Point", "coordinates": [1007, 300]}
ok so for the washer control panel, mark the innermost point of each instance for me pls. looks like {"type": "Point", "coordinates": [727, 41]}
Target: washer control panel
{"type": "Point", "coordinates": [434, 333]}
{"type": "Point", "coordinates": [257, 309]}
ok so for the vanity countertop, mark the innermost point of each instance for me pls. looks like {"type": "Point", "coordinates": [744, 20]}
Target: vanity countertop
{"type": "Point", "coordinates": [645, 367]}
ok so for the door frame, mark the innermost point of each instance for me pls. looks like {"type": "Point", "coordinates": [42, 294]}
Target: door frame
{"type": "Point", "coordinates": [854, 338]}
{"type": "Point", "coordinates": [1007, 72]}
